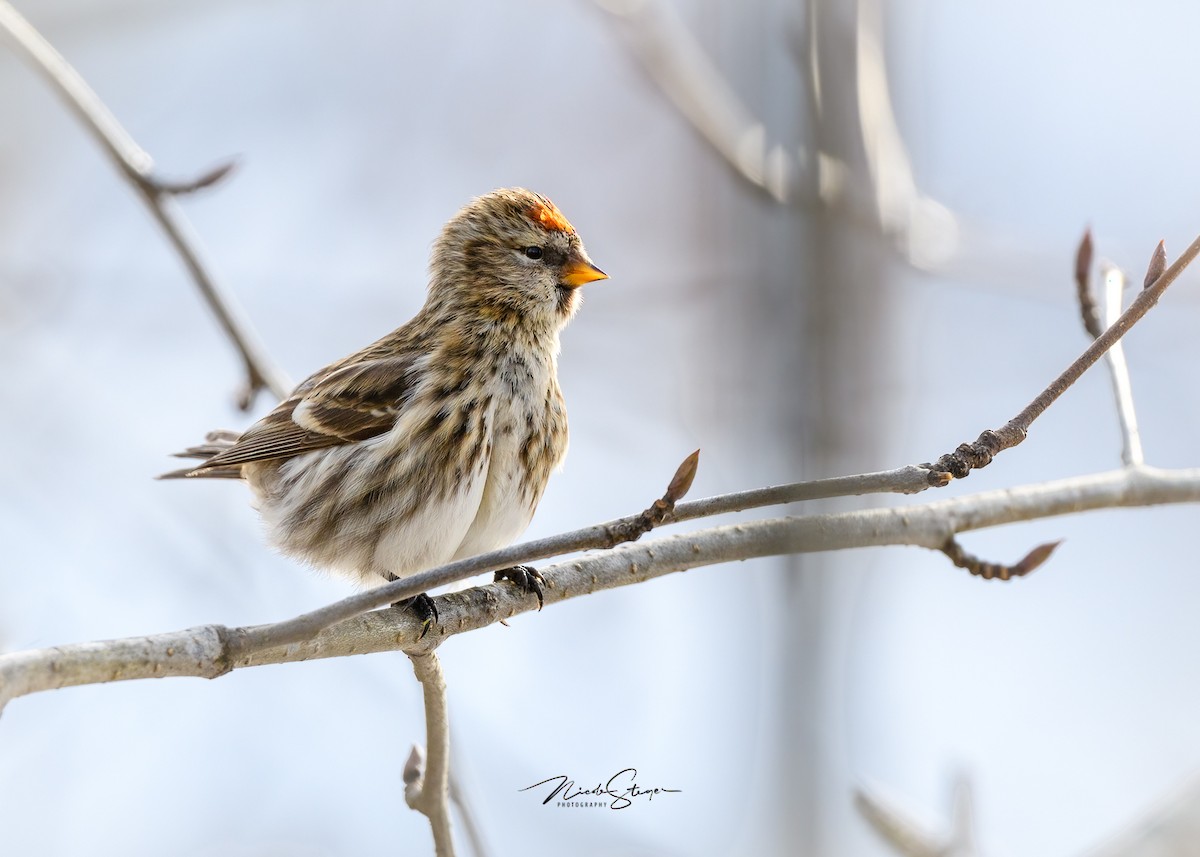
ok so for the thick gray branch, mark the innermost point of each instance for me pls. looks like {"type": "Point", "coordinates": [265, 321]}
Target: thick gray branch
{"type": "Point", "coordinates": [191, 652]}
{"type": "Point", "coordinates": [210, 651]}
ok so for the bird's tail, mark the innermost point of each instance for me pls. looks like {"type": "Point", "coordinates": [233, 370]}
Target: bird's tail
{"type": "Point", "coordinates": [214, 442]}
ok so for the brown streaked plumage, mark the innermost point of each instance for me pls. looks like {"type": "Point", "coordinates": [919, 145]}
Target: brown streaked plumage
{"type": "Point", "coordinates": [435, 442]}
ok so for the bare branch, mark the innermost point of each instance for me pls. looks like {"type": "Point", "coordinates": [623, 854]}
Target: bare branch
{"type": "Point", "coordinates": [158, 195]}
{"type": "Point", "coordinates": [205, 652]}
{"type": "Point", "coordinates": [887, 196]}
{"type": "Point", "coordinates": [192, 652]}
{"type": "Point", "coordinates": [904, 480]}
{"type": "Point", "coordinates": [693, 83]}
{"type": "Point", "coordinates": [881, 191]}
{"type": "Point", "coordinates": [429, 791]}
{"type": "Point", "coordinates": [906, 836]}
{"type": "Point", "coordinates": [902, 210]}
{"type": "Point", "coordinates": [201, 182]}
{"type": "Point", "coordinates": [1114, 285]}
{"type": "Point", "coordinates": [211, 651]}
{"type": "Point", "coordinates": [968, 457]}
{"type": "Point", "coordinates": [1131, 438]}
{"type": "Point", "coordinates": [911, 479]}
{"type": "Point", "coordinates": [467, 816]}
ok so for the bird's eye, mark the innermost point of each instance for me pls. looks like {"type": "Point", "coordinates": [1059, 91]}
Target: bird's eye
{"type": "Point", "coordinates": [534, 252]}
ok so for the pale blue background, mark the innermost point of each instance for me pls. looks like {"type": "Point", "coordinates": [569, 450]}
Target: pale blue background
{"type": "Point", "coordinates": [361, 127]}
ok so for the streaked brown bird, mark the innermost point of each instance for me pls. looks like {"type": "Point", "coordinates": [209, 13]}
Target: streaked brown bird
{"type": "Point", "coordinates": [435, 442]}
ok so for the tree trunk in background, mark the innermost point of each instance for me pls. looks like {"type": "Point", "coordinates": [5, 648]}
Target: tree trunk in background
{"type": "Point", "coordinates": [844, 338]}
{"type": "Point", "coordinates": [808, 341]}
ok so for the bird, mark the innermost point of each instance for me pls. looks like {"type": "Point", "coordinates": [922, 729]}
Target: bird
{"type": "Point", "coordinates": [435, 442]}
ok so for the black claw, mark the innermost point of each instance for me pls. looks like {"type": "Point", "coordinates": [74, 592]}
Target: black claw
{"type": "Point", "coordinates": [424, 608]}
{"type": "Point", "coordinates": [526, 577]}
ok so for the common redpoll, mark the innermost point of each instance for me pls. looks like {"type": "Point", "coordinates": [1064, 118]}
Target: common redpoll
{"type": "Point", "coordinates": [436, 442]}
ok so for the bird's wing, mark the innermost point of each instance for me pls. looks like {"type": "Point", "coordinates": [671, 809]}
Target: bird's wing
{"type": "Point", "coordinates": [350, 404]}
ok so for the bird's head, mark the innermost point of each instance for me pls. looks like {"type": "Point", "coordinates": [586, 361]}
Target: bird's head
{"type": "Point", "coordinates": [512, 254]}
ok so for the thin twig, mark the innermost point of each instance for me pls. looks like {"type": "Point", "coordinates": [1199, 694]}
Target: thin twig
{"type": "Point", "coordinates": [969, 457]}
{"type": "Point", "coordinates": [182, 187]}
{"type": "Point", "coordinates": [467, 815]}
{"type": "Point", "coordinates": [209, 652]}
{"type": "Point", "coordinates": [158, 194]}
{"type": "Point", "coordinates": [1131, 438]}
{"type": "Point", "coordinates": [429, 792]}
{"type": "Point", "coordinates": [911, 479]}
{"type": "Point", "coordinates": [904, 480]}
{"type": "Point", "coordinates": [1118, 369]}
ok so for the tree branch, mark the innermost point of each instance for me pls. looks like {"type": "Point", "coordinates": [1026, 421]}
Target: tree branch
{"type": "Point", "coordinates": [695, 86]}
{"type": "Point", "coordinates": [213, 650]}
{"type": "Point", "coordinates": [904, 480]}
{"type": "Point", "coordinates": [908, 838]}
{"type": "Point", "coordinates": [429, 791]}
{"type": "Point", "coordinates": [968, 457]}
{"type": "Point", "coordinates": [210, 651]}
{"type": "Point", "coordinates": [883, 193]}
{"type": "Point", "coordinates": [466, 815]}
{"type": "Point", "coordinates": [138, 167]}
{"type": "Point", "coordinates": [1118, 369]}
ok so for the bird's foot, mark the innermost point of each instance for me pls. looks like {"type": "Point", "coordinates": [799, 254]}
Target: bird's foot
{"type": "Point", "coordinates": [421, 606]}
{"type": "Point", "coordinates": [527, 578]}
{"type": "Point", "coordinates": [424, 609]}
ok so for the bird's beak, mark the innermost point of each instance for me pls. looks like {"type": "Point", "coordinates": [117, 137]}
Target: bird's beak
{"type": "Point", "coordinates": [579, 270]}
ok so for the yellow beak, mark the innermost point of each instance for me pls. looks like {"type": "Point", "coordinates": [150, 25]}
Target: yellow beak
{"type": "Point", "coordinates": [578, 271]}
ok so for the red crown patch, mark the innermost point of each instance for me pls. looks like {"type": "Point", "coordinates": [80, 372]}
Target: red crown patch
{"type": "Point", "coordinates": [549, 217]}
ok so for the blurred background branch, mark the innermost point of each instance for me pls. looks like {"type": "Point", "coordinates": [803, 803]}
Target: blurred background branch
{"type": "Point", "coordinates": [886, 194]}
{"type": "Point", "coordinates": [159, 196]}
{"type": "Point", "coordinates": [1113, 282]}
{"type": "Point", "coordinates": [1168, 828]}
{"type": "Point", "coordinates": [907, 838]}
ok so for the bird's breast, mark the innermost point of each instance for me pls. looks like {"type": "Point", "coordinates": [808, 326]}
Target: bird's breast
{"type": "Point", "coordinates": [526, 442]}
